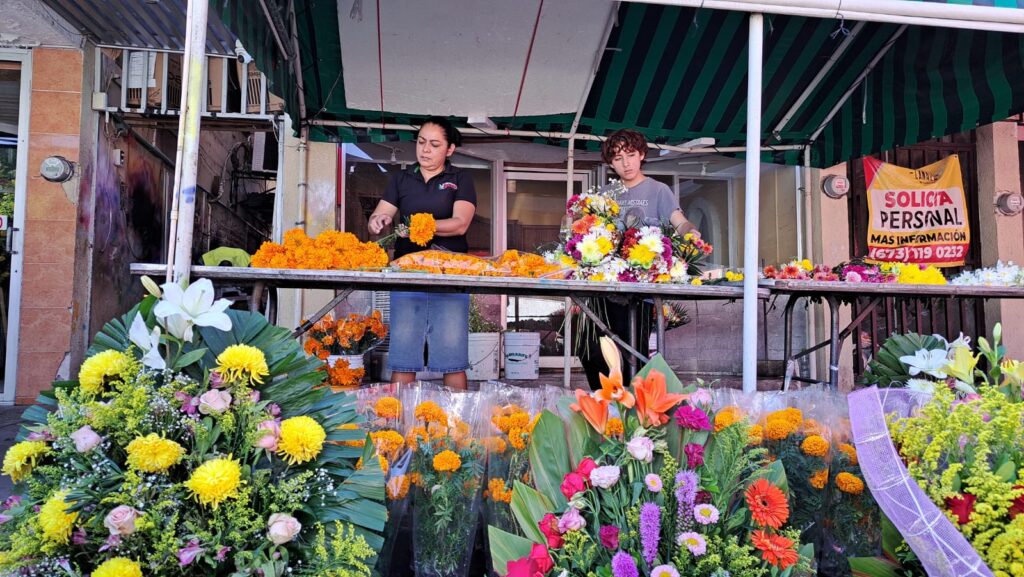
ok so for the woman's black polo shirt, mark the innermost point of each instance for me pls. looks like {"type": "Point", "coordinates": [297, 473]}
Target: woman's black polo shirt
{"type": "Point", "coordinates": [411, 195]}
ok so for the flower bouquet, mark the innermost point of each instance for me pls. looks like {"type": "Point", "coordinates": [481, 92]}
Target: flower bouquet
{"type": "Point", "coordinates": [418, 228]}
{"type": "Point", "coordinates": [637, 484]}
{"type": "Point", "coordinates": [195, 442]}
{"type": "Point", "coordinates": [330, 250]}
{"type": "Point", "coordinates": [343, 343]}
{"type": "Point", "coordinates": [447, 471]}
{"type": "Point", "coordinates": [1002, 274]}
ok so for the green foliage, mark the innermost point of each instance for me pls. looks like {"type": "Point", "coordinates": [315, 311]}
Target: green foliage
{"type": "Point", "coordinates": [886, 370]}
{"type": "Point", "coordinates": [506, 547]}
{"type": "Point", "coordinates": [549, 457]}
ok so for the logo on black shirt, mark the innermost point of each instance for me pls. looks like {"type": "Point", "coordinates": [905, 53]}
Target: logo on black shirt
{"type": "Point", "coordinates": [448, 186]}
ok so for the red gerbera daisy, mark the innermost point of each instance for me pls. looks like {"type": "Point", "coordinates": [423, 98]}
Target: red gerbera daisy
{"type": "Point", "coordinates": [775, 549]}
{"type": "Point", "coordinates": [767, 503]}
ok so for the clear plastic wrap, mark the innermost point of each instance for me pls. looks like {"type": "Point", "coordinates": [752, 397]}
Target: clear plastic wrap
{"type": "Point", "coordinates": [511, 263]}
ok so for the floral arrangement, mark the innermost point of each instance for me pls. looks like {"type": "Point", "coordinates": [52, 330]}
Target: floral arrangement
{"type": "Point", "coordinates": [863, 272]}
{"type": "Point", "coordinates": [509, 263]}
{"type": "Point", "coordinates": [352, 335]}
{"type": "Point", "coordinates": [640, 484]}
{"type": "Point", "coordinates": [1007, 274]}
{"type": "Point", "coordinates": [909, 273]}
{"type": "Point", "coordinates": [599, 246]}
{"type": "Point", "coordinates": [447, 470]}
{"type": "Point", "coordinates": [195, 442]}
{"type": "Point", "coordinates": [800, 270]}
{"type": "Point", "coordinates": [330, 250]}
{"type": "Point", "coordinates": [418, 228]}
{"type": "Point", "coordinates": [342, 377]}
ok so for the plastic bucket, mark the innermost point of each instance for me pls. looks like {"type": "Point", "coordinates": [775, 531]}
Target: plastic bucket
{"type": "Point", "coordinates": [522, 355]}
{"type": "Point", "coordinates": [483, 356]}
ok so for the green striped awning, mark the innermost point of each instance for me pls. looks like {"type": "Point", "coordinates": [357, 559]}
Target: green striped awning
{"type": "Point", "coordinates": [679, 73]}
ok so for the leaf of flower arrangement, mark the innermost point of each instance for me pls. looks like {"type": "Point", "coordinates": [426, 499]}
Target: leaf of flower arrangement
{"type": "Point", "coordinates": [114, 334]}
{"type": "Point", "coordinates": [580, 437]}
{"type": "Point", "coordinates": [529, 506]}
{"type": "Point", "coordinates": [549, 457]}
{"type": "Point", "coordinates": [775, 472]}
{"type": "Point", "coordinates": [874, 567]}
{"type": "Point", "coordinates": [506, 547]}
{"type": "Point", "coordinates": [189, 358]}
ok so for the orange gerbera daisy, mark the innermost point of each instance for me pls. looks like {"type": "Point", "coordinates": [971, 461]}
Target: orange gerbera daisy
{"type": "Point", "coordinates": [767, 503]}
{"type": "Point", "coordinates": [611, 385]}
{"type": "Point", "coordinates": [653, 400]}
{"type": "Point", "coordinates": [595, 411]}
{"type": "Point", "coordinates": [775, 549]}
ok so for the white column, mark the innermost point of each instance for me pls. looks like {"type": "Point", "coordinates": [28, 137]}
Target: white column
{"type": "Point", "coordinates": [751, 209]}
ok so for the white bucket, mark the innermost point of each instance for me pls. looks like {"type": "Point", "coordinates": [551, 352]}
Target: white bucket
{"type": "Point", "coordinates": [354, 361]}
{"type": "Point", "coordinates": [483, 356]}
{"type": "Point", "coordinates": [522, 355]}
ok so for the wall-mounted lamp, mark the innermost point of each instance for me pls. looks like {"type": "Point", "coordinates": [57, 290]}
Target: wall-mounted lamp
{"type": "Point", "coordinates": [57, 169]}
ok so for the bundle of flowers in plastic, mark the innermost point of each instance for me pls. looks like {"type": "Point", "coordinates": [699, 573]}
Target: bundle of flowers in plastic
{"type": "Point", "coordinates": [447, 473]}
{"type": "Point", "coordinates": [1007, 274]}
{"type": "Point", "coordinates": [196, 441]}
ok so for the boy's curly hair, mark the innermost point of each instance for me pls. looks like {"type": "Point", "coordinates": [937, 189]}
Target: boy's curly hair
{"type": "Point", "coordinates": [623, 140]}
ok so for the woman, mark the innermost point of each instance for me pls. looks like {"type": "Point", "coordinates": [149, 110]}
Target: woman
{"type": "Point", "coordinates": [438, 321]}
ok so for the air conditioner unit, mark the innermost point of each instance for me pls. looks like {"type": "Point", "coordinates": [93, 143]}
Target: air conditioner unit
{"type": "Point", "coordinates": [248, 73]}
{"type": "Point", "coordinates": [264, 152]}
{"type": "Point", "coordinates": [145, 76]}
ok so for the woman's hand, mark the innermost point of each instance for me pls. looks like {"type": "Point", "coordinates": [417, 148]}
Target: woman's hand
{"type": "Point", "coordinates": [378, 222]}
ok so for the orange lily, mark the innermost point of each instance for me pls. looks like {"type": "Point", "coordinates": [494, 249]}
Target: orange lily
{"type": "Point", "coordinates": [653, 400]}
{"type": "Point", "coordinates": [595, 411]}
{"type": "Point", "coordinates": [611, 385]}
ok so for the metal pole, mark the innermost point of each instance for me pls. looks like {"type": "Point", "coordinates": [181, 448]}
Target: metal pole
{"type": "Point", "coordinates": [188, 137]}
{"type": "Point", "coordinates": [751, 209]}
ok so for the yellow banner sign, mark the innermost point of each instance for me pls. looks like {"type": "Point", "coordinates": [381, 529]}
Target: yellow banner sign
{"type": "Point", "coordinates": [917, 216]}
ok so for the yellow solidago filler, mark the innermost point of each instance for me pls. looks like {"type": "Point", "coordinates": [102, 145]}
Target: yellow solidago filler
{"type": "Point", "coordinates": [22, 458]}
{"type": "Point", "coordinates": [755, 435]}
{"type": "Point", "coordinates": [388, 408]}
{"type": "Point", "coordinates": [447, 461]}
{"type": "Point", "coordinates": [727, 416]}
{"type": "Point", "coordinates": [55, 521]}
{"type": "Point", "coordinates": [153, 453]}
{"type": "Point", "coordinates": [351, 427]}
{"type": "Point", "coordinates": [614, 427]}
{"type": "Point", "coordinates": [243, 363]}
{"type": "Point", "coordinates": [849, 483]}
{"type": "Point", "coordinates": [850, 451]}
{"type": "Point", "coordinates": [302, 439]}
{"type": "Point", "coordinates": [118, 567]}
{"type": "Point", "coordinates": [388, 442]}
{"type": "Point", "coordinates": [815, 446]}
{"type": "Point", "coordinates": [98, 368]}
{"type": "Point", "coordinates": [1005, 555]}
{"type": "Point", "coordinates": [819, 479]}
{"type": "Point", "coordinates": [215, 480]}
{"type": "Point", "coordinates": [430, 412]}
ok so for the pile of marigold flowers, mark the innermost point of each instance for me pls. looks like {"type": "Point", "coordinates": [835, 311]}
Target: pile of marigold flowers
{"type": "Point", "coordinates": [509, 263]}
{"type": "Point", "coordinates": [330, 250]}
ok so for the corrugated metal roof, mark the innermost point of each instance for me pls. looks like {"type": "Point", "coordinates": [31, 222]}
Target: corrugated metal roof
{"type": "Point", "coordinates": [140, 24]}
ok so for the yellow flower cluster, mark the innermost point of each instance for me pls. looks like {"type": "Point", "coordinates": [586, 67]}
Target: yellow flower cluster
{"type": "Point", "coordinates": [153, 453]}
{"type": "Point", "coordinates": [914, 274]}
{"type": "Point", "coordinates": [95, 371]}
{"type": "Point", "coordinates": [118, 567]}
{"type": "Point", "coordinates": [243, 364]}
{"type": "Point", "coordinates": [815, 446]}
{"type": "Point", "coordinates": [728, 416]}
{"type": "Point", "coordinates": [497, 492]}
{"type": "Point", "coordinates": [447, 461]}
{"type": "Point", "coordinates": [515, 422]}
{"type": "Point", "coordinates": [388, 442]}
{"type": "Point", "coordinates": [733, 276]}
{"type": "Point", "coordinates": [430, 412]}
{"type": "Point", "coordinates": [302, 439]}
{"type": "Point", "coordinates": [422, 228]}
{"type": "Point", "coordinates": [330, 250]}
{"type": "Point", "coordinates": [819, 479]}
{"type": "Point", "coordinates": [54, 519]}
{"type": "Point", "coordinates": [22, 457]}
{"type": "Point", "coordinates": [849, 483]}
{"type": "Point", "coordinates": [215, 481]}
{"type": "Point", "coordinates": [781, 424]}
{"type": "Point", "coordinates": [388, 408]}
{"type": "Point", "coordinates": [614, 427]}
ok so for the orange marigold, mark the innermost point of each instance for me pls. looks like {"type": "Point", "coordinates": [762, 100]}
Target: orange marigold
{"type": "Point", "coordinates": [781, 424]}
{"type": "Point", "coordinates": [497, 492]}
{"type": "Point", "coordinates": [341, 377]}
{"type": "Point", "coordinates": [849, 483]}
{"type": "Point", "coordinates": [775, 549]}
{"type": "Point", "coordinates": [495, 445]}
{"type": "Point", "coordinates": [388, 442]}
{"type": "Point", "coordinates": [850, 451]}
{"type": "Point", "coordinates": [819, 479]}
{"type": "Point", "coordinates": [416, 479]}
{"type": "Point", "coordinates": [447, 461]}
{"type": "Point", "coordinates": [388, 408]}
{"type": "Point", "coordinates": [813, 427]}
{"type": "Point", "coordinates": [767, 503]}
{"type": "Point", "coordinates": [727, 416]}
{"type": "Point", "coordinates": [613, 427]}
{"type": "Point", "coordinates": [350, 427]}
{"type": "Point", "coordinates": [815, 446]}
{"type": "Point", "coordinates": [430, 412]}
{"type": "Point", "coordinates": [755, 435]}
{"type": "Point", "coordinates": [517, 438]}
{"type": "Point", "coordinates": [415, 436]}
{"type": "Point", "coordinates": [397, 487]}
{"type": "Point", "coordinates": [422, 228]}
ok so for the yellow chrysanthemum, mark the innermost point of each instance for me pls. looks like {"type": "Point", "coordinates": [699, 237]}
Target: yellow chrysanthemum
{"type": "Point", "coordinates": [755, 435]}
{"type": "Point", "coordinates": [815, 446]}
{"type": "Point", "coordinates": [351, 427]}
{"type": "Point", "coordinates": [849, 483]}
{"type": "Point", "coordinates": [215, 480]}
{"type": "Point", "coordinates": [819, 479]}
{"type": "Point", "coordinates": [727, 416]}
{"type": "Point", "coordinates": [98, 368]}
{"type": "Point", "coordinates": [613, 428]}
{"type": "Point", "coordinates": [22, 458]}
{"type": "Point", "coordinates": [430, 412]}
{"type": "Point", "coordinates": [153, 453]}
{"type": "Point", "coordinates": [447, 461]}
{"type": "Point", "coordinates": [55, 520]}
{"type": "Point", "coordinates": [850, 452]}
{"type": "Point", "coordinates": [118, 567]}
{"type": "Point", "coordinates": [388, 408]}
{"type": "Point", "coordinates": [302, 439]}
{"type": "Point", "coordinates": [243, 363]}
{"type": "Point", "coordinates": [388, 442]}
{"type": "Point", "coordinates": [397, 487]}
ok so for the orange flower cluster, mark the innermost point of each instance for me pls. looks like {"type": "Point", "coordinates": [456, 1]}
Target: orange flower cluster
{"type": "Point", "coordinates": [398, 487]}
{"type": "Point", "coordinates": [769, 509]}
{"type": "Point", "coordinates": [515, 422]}
{"type": "Point", "coordinates": [330, 250]}
{"type": "Point", "coordinates": [509, 263]}
{"type": "Point", "coordinates": [388, 408]}
{"type": "Point", "coordinates": [352, 335]}
{"type": "Point", "coordinates": [524, 264]}
{"type": "Point", "coordinates": [497, 492]}
{"type": "Point", "coordinates": [422, 228]}
{"type": "Point", "coordinates": [341, 377]}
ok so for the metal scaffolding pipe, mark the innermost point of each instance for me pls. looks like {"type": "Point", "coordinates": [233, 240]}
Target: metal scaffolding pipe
{"type": "Point", "coordinates": [751, 204]}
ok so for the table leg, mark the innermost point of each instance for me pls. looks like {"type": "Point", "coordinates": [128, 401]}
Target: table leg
{"type": "Point", "coordinates": [787, 340]}
{"type": "Point", "coordinates": [659, 311]}
{"type": "Point", "coordinates": [633, 306]}
{"type": "Point", "coordinates": [607, 331]}
{"type": "Point", "coordinates": [257, 296]}
{"type": "Point", "coordinates": [836, 347]}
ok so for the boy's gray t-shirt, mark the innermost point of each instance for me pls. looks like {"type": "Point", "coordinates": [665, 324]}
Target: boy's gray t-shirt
{"type": "Point", "coordinates": [651, 200]}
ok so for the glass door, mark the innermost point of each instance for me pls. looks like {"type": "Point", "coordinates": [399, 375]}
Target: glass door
{"type": "Point", "coordinates": [535, 207]}
{"type": "Point", "coordinates": [14, 96]}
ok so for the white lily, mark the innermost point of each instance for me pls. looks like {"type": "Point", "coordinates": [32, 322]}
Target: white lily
{"type": "Point", "coordinates": [181, 309]}
{"type": "Point", "coordinates": [148, 342]}
{"type": "Point", "coordinates": [929, 362]}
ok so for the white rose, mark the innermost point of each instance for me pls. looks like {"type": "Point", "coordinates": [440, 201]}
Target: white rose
{"type": "Point", "coordinates": [121, 521]}
{"type": "Point", "coordinates": [214, 402]}
{"type": "Point", "coordinates": [85, 439]}
{"type": "Point", "coordinates": [282, 528]}
{"type": "Point", "coordinates": [605, 477]}
{"type": "Point", "coordinates": [642, 449]}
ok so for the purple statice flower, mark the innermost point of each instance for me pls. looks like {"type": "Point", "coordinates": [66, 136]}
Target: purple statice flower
{"type": "Point", "coordinates": [650, 531]}
{"type": "Point", "coordinates": [188, 553]}
{"type": "Point", "coordinates": [694, 455]}
{"type": "Point", "coordinates": [690, 417]}
{"type": "Point", "coordinates": [687, 483]}
{"type": "Point", "coordinates": [623, 565]}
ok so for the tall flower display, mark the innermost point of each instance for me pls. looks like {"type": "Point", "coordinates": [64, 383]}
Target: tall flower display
{"type": "Point", "coordinates": [200, 452]}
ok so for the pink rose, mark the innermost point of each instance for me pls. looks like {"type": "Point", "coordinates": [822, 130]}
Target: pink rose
{"type": "Point", "coordinates": [571, 520]}
{"type": "Point", "coordinates": [270, 433]}
{"type": "Point", "coordinates": [642, 449]}
{"type": "Point", "coordinates": [282, 528]}
{"type": "Point", "coordinates": [609, 535]}
{"type": "Point", "coordinates": [573, 483]}
{"type": "Point", "coordinates": [214, 402]}
{"type": "Point", "coordinates": [85, 439]}
{"type": "Point", "coordinates": [585, 467]}
{"type": "Point", "coordinates": [121, 521]}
